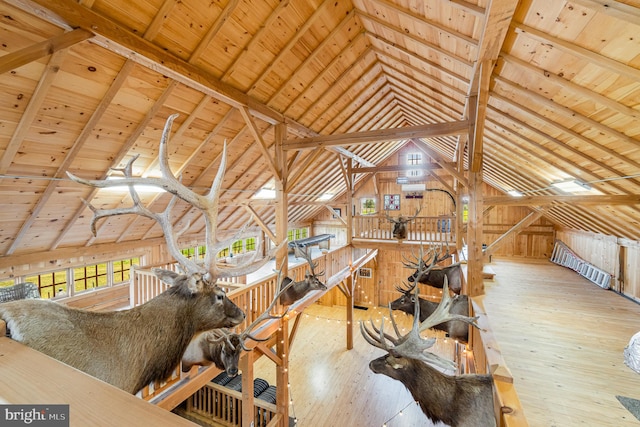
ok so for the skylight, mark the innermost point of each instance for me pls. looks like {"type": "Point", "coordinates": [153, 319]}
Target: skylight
{"type": "Point", "coordinates": [265, 194]}
{"type": "Point", "coordinates": [571, 186]}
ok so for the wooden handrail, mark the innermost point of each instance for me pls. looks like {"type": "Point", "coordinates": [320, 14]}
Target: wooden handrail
{"type": "Point", "coordinates": [253, 298]}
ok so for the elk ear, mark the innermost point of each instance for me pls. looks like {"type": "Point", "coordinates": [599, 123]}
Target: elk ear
{"type": "Point", "coordinates": [193, 283]}
{"type": "Point", "coordinates": [167, 276]}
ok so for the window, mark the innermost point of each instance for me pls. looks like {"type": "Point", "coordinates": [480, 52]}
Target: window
{"type": "Point", "coordinates": [4, 283]}
{"type": "Point", "coordinates": [223, 253]}
{"type": "Point", "coordinates": [250, 244]}
{"type": "Point", "coordinates": [202, 250]}
{"type": "Point", "coordinates": [237, 247]}
{"type": "Point", "coordinates": [414, 159]}
{"type": "Point", "coordinates": [367, 206]}
{"type": "Point", "coordinates": [89, 277]}
{"type": "Point", "coordinates": [51, 284]}
{"type": "Point", "coordinates": [297, 234]}
{"type": "Point", "coordinates": [122, 269]}
{"type": "Point", "coordinates": [190, 253]}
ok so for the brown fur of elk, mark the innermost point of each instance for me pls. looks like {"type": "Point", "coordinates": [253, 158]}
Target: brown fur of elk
{"type": "Point", "coordinates": [296, 290]}
{"type": "Point", "coordinates": [222, 347]}
{"type": "Point", "coordinates": [400, 229]}
{"type": "Point", "coordinates": [134, 347]}
{"type": "Point", "coordinates": [455, 329]}
{"type": "Point", "coordinates": [458, 400]}
{"type": "Point", "coordinates": [130, 348]}
{"type": "Point", "coordinates": [428, 273]}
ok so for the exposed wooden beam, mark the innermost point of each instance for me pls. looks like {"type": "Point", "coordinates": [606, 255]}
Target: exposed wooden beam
{"type": "Point", "coordinates": [398, 168]}
{"type": "Point", "coordinates": [382, 135]}
{"type": "Point", "coordinates": [401, 33]}
{"type": "Point", "coordinates": [522, 224]}
{"type": "Point", "coordinates": [445, 165]}
{"type": "Point", "coordinates": [261, 223]}
{"type": "Point", "coordinates": [572, 87]}
{"type": "Point", "coordinates": [253, 129]}
{"type": "Point", "coordinates": [36, 51]}
{"type": "Point", "coordinates": [577, 51]}
{"type": "Point", "coordinates": [33, 108]}
{"type": "Point", "coordinates": [120, 40]}
{"type": "Point", "coordinates": [615, 9]}
{"type": "Point", "coordinates": [626, 199]}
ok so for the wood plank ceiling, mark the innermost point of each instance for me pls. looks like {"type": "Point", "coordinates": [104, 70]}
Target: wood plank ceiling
{"type": "Point", "coordinates": [86, 85]}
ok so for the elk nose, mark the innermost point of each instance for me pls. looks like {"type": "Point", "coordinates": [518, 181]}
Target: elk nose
{"type": "Point", "coordinates": [232, 372]}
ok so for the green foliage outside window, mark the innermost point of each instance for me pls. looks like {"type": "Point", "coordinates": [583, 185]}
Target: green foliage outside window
{"type": "Point", "coordinates": [51, 284]}
{"type": "Point", "coordinates": [7, 283]}
{"type": "Point", "coordinates": [250, 244]}
{"type": "Point", "coordinates": [122, 269]}
{"type": "Point", "coordinates": [237, 247]}
{"type": "Point", "coordinates": [90, 277]}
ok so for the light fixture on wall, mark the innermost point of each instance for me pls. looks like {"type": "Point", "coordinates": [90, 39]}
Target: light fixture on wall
{"type": "Point", "coordinates": [571, 186]}
{"type": "Point", "coordinates": [402, 180]}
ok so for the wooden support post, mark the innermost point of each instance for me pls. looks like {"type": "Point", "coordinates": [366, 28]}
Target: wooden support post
{"type": "Point", "coordinates": [475, 285]}
{"type": "Point", "coordinates": [282, 335]}
{"type": "Point", "coordinates": [246, 366]}
{"type": "Point", "coordinates": [350, 303]}
{"type": "Point", "coordinates": [282, 372]}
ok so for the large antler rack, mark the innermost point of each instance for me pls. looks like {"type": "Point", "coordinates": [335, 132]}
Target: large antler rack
{"type": "Point", "coordinates": [266, 315]}
{"type": "Point", "coordinates": [207, 204]}
{"type": "Point", "coordinates": [413, 345]}
{"type": "Point", "coordinates": [304, 253]}
{"type": "Point", "coordinates": [401, 219]}
{"type": "Point", "coordinates": [433, 258]}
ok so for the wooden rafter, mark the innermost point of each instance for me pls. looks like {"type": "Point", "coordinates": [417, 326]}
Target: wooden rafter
{"type": "Point", "coordinates": [120, 40]}
{"type": "Point", "coordinates": [40, 50]}
{"type": "Point", "coordinates": [383, 135]}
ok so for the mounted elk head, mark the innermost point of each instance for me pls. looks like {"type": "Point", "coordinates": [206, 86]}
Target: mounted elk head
{"type": "Point", "coordinates": [311, 282]}
{"type": "Point", "coordinates": [428, 273]}
{"type": "Point", "coordinates": [400, 228]}
{"type": "Point", "coordinates": [222, 347]}
{"type": "Point", "coordinates": [456, 400]}
{"type": "Point", "coordinates": [455, 329]}
{"type": "Point", "coordinates": [131, 348]}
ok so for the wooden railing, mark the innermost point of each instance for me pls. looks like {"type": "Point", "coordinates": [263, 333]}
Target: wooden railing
{"type": "Point", "coordinates": [487, 359]}
{"type": "Point", "coordinates": [419, 229]}
{"type": "Point", "coordinates": [253, 299]}
{"type": "Point", "coordinates": [224, 405]}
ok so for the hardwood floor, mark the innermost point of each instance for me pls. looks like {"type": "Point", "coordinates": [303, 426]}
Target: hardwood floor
{"type": "Point", "coordinates": [334, 387]}
{"type": "Point", "coordinates": [561, 336]}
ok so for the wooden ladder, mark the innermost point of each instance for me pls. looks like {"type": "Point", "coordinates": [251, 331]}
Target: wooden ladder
{"type": "Point", "coordinates": [565, 257]}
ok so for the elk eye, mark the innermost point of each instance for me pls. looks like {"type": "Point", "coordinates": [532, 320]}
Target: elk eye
{"type": "Point", "coordinates": [219, 297]}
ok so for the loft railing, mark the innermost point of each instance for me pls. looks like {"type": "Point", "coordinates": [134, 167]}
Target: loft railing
{"type": "Point", "coordinates": [419, 229]}
{"type": "Point", "coordinates": [219, 403]}
{"type": "Point", "coordinates": [253, 298]}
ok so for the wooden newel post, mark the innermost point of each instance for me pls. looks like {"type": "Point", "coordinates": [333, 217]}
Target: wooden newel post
{"type": "Point", "coordinates": [282, 372]}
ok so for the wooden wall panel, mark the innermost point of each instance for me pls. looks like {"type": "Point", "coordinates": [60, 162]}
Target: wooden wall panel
{"type": "Point", "coordinates": [619, 257]}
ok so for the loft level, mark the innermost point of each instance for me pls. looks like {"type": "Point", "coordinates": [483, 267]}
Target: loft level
{"type": "Point", "coordinates": [28, 376]}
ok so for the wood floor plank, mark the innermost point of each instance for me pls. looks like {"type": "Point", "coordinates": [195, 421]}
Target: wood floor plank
{"type": "Point", "coordinates": [563, 339]}
{"type": "Point", "coordinates": [561, 336]}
